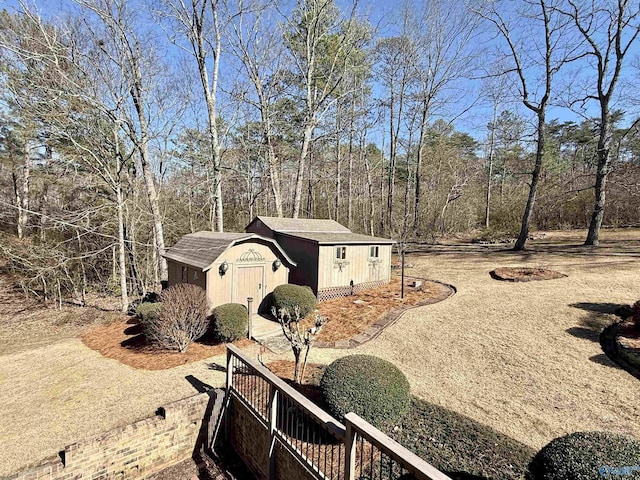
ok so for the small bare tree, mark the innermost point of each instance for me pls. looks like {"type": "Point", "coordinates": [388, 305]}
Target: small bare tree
{"type": "Point", "coordinates": [290, 322]}
{"type": "Point", "coordinates": [182, 318]}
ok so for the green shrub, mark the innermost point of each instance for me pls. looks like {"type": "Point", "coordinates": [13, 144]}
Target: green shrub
{"type": "Point", "coordinates": [585, 456]}
{"type": "Point", "coordinates": [229, 322]}
{"type": "Point", "coordinates": [371, 387]}
{"type": "Point", "coordinates": [147, 311]}
{"type": "Point", "coordinates": [289, 296]}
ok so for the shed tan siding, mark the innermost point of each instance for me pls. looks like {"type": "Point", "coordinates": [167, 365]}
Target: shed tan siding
{"type": "Point", "coordinates": [357, 266]}
{"type": "Point", "coordinates": [227, 288]}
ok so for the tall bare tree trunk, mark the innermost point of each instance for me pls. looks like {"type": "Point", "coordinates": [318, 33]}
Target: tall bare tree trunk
{"type": "Point", "coordinates": [338, 166]}
{"type": "Point", "coordinates": [22, 192]}
{"type": "Point", "coordinates": [297, 195]}
{"type": "Point", "coordinates": [490, 173]}
{"type": "Point", "coordinates": [535, 176]}
{"type": "Point", "coordinates": [124, 294]}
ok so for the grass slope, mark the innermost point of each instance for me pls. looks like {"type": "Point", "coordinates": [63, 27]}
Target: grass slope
{"type": "Point", "coordinates": [459, 446]}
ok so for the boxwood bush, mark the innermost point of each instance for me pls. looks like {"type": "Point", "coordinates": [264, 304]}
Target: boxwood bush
{"type": "Point", "coordinates": [148, 310]}
{"type": "Point", "coordinates": [229, 322]}
{"type": "Point", "coordinates": [371, 387]}
{"type": "Point", "coordinates": [586, 456]}
{"type": "Point", "coordinates": [289, 296]}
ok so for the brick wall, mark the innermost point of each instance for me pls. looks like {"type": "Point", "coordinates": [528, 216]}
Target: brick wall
{"type": "Point", "coordinates": [139, 449]}
{"type": "Point", "coordinates": [251, 440]}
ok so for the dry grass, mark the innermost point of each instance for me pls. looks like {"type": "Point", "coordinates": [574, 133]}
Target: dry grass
{"type": "Point", "coordinates": [522, 358]}
{"type": "Point", "coordinates": [349, 316]}
{"type": "Point", "coordinates": [26, 324]}
{"type": "Point", "coordinates": [123, 341]}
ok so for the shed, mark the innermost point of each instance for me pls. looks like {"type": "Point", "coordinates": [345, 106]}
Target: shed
{"type": "Point", "coordinates": [230, 266]}
{"type": "Point", "coordinates": [329, 257]}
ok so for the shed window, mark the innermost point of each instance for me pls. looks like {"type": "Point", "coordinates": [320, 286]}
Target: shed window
{"type": "Point", "coordinates": [341, 253]}
{"type": "Point", "coordinates": [195, 274]}
{"type": "Point", "coordinates": [374, 252]}
{"type": "Point", "coordinates": [183, 274]}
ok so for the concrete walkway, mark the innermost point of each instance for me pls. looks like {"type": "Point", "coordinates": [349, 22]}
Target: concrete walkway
{"type": "Point", "coordinates": [269, 333]}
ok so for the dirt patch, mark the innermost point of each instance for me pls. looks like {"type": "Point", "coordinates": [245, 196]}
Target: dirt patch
{"type": "Point", "coordinates": [122, 340]}
{"type": "Point", "coordinates": [349, 316]}
{"type": "Point", "coordinates": [310, 386]}
{"type": "Point", "coordinates": [524, 274]}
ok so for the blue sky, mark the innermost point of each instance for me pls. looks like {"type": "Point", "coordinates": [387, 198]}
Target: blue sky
{"type": "Point", "coordinates": [383, 14]}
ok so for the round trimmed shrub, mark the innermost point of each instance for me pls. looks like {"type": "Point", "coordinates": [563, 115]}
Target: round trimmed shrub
{"type": "Point", "coordinates": [148, 311]}
{"type": "Point", "coordinates": [585, 456]}
{"type": "Point", "coordinates": [371, 387]}
{"type": "Point", "coordinates": [230, 322]}
{"type": "Point", "coordinates": [289, 296]}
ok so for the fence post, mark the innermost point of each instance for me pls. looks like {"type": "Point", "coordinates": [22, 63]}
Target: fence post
{"type": "Point", "coordinates": [349, 450]}
{"type": "Point", "coordinates": [227, 399]}
{"type": "Point", "coordinates": [273, 416]}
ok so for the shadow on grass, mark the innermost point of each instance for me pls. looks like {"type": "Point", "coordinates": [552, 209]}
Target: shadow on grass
{"type": "Point", "coordinates": [585, 333]}
{"type": "Point", "coordinates": [459, 446]}
{"type": "Point", "coordinates": [603, 359]}
{"type": "Point", "coordinates": [618, 309]}
{"type": "Point", "coordinates": [217, 367]}
{"type": "Point", "coordinates": [464, 476]}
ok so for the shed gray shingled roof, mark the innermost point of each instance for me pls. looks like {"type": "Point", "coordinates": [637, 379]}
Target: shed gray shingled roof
{"type": "Point", "coordinates": [201, 249]}
{"type": "Point", "coordinates": [330, 238]}
{"type": "Point", "coordinates": [302, 225]}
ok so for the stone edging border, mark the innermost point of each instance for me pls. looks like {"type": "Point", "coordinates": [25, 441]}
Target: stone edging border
{"type": "Point", "coordinates": [609, 344]}
{"type": "Point", "coordinates": [391, 317]}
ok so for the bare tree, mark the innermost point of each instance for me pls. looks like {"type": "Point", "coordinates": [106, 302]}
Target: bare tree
{"type": "Point", "coordinates": [199, 22]}
{"type": "Point", "coordinates": [320, 43]}
{"type": "Point", "coordinates": [441, 33]}
{"type": "Point", "coordinates": [290, 322]}
{"type": "Point", "coordinates": [609, 30]}
{"type": "Point", "coordinates": [258, 45]}
{"type": "Point", "coordinates": [121, 45]}
{"type": "Point", "coordinates": [521, 47]}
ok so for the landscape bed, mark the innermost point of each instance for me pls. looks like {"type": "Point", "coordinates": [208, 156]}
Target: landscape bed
{"type": "Point", "coordinates": [122, 340]}
{"type": "Point", "coordinates": [351, 315]}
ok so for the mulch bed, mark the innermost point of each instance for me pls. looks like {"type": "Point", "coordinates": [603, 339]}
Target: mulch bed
{"type": "Point", "coordinates": [122, 340]}
{"type": "Point", "coordinates": [524, 274]}
{"type": "Point", "coordinates": [310, 382]}
{"type": "Point", "coordinates": [621, 342]}
{"type": "Point", "coordinates": [358, 318]}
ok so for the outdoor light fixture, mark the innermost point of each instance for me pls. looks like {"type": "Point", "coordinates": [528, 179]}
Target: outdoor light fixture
{"type": "Point", "coordinates": [276, 264]}
{"type": "Point", "coordinates": [223, 268]}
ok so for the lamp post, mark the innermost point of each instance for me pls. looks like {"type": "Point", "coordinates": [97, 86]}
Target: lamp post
{"type": "Point", "coordinates": [402, 247]}
{"type": "Point", "coordinates": [249, 303]}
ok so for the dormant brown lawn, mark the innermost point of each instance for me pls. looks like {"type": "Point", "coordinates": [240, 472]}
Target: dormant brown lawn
{"type": "Point", "coordinates": [522, 358]}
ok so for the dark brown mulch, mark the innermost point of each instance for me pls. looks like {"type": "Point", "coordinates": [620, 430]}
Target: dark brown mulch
{"type": "Point", "coordinates": [524, 274]}
{"type": "Point", "coordinates": [310, 386]}
{"type": "Point", "coordinates": [122, 340]}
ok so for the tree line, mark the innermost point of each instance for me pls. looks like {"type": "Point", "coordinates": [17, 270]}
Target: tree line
{"type": "Point", "coordinates": [126, 124]}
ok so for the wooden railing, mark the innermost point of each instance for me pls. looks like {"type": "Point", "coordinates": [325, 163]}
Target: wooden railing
{"type": "Point", "coordinates": [324, 446]}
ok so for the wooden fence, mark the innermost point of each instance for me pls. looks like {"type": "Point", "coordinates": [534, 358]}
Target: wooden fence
{"type": "Point", "coordinates": [292, 426]}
